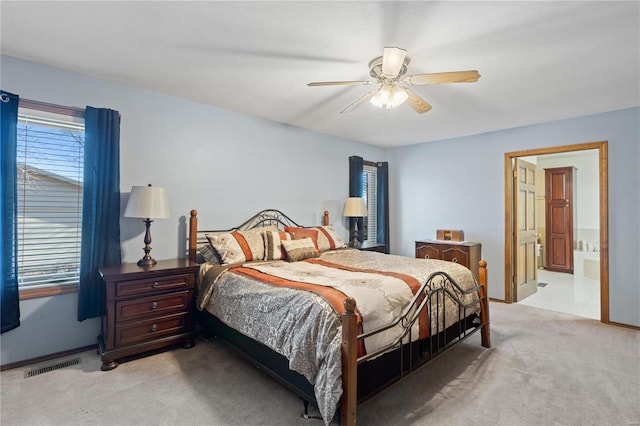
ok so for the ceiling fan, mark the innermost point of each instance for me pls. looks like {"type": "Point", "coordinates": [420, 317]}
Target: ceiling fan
{"type": "Point", "coordinates": [389, 72]}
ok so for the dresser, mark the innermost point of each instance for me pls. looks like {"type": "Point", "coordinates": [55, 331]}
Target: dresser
{"type": "Point", "coordinates": [464, 252]}
{"type": "Point", "coordinates": [147, 308]}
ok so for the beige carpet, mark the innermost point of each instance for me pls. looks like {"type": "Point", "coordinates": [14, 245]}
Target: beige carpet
{"type": "Point", "coordinates": [544, 368]}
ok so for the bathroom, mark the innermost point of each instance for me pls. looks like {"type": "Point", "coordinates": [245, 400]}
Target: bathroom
{"type": "Point", "coordinates": [577, 293]}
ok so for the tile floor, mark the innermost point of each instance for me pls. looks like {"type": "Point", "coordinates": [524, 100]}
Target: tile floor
{"type": "Point", "coordinates": [566, 293]}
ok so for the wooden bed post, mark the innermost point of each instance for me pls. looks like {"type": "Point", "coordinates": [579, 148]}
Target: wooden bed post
{"type": "Point", "coordinates": [349, 402]}
{"type": "Point", "coordinates": [325, 218]}
{"type": "Point", "coordinates": [484, 306]}
{"type": "Point", "coordinates": [193, 235]}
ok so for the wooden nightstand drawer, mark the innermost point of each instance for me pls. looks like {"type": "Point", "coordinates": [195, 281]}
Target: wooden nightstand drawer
{"type": "Point", "coordinates": [134, 309]}
{"type": "Point", "coordinates": [151, 329]}
{"type": "Point", "coordinates": [154, 285]}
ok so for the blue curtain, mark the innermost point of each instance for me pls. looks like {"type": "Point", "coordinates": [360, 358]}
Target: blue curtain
{"type": "Point", "coordinates": [10, 309]}
{"type": "Point", "coordinates": [382, 198]}
{"type": "Point", "coordinates": [101, 207]}
{"type": "Point", "coordinates": [356, 189]}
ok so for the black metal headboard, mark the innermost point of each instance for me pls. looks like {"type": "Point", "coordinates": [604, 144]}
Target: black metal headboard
{"type": "Point", "coordinates": [263, 218]}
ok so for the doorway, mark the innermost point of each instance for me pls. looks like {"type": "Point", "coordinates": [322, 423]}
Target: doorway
{"type": "Point", "coordinates": [511, 241]}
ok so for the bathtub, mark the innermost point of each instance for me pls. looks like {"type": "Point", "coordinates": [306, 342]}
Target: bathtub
{"type": "Point", "coordinates": [586, 264]}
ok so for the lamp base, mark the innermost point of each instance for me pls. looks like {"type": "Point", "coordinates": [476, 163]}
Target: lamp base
{"type": "Point", "coordinates": [147, 261]}
{"type": "Point", "coordinates": [354, 241]}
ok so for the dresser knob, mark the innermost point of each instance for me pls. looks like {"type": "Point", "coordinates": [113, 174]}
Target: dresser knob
{"type": "Point", "coordinates": [155, 284]}
{"type": "Point", "coordinates": [154, 305]}
{"type": "Point", "coordinates": [153, 328]}
{"type": "Point", "coordinates": [454, 260]}
{"type": "Point", "coordinates": [426, 256]}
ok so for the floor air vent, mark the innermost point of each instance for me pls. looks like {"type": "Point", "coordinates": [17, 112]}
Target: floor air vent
{"type": "Point", "coordinates": [46, 368]}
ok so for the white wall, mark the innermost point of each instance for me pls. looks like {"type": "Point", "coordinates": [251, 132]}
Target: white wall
{"type": "Point", "coordinates": [225, 164]}
{"type": "Point", "coordinates": [459, 184]}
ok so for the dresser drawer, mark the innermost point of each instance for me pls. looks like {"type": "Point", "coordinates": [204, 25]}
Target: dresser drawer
{"type": "Point", "coordinates": [427, 252]}
{"type": "Point", "coordinates": [456, 255]}
{"type": "Point", "coordinates": [145, 307]}
{"type": "Point", "coordinates": [465, 253]}
{"type": "Point", "coordinates": [151, 329]}
{"type": "Point", "coordinates": [153, 285]}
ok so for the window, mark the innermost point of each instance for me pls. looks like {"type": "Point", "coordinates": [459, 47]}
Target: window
{"type": "Point", "coordinates": [50, 158]}
{"type": "Point", "coordinates": [370, 183]}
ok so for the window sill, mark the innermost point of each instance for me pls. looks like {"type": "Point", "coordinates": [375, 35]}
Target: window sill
{"type": "Point", "coordinates": [54, 290]}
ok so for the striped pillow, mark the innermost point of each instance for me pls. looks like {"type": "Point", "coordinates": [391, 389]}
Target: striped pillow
{"type": "Point", "coordinates": [209, 254]}
{"type": "Point", "coordinates": [273, 249]}
{"type": "Point", "coordinates": [324, 237]}
{"type": "Point", "coordinates": [300, 233]}
{"type": "Point", "coordinates": [300, 249]}
{"type": "Point", "coordinates": [328, 238]}
{"type": "Point", "coordinates": [238, 246]}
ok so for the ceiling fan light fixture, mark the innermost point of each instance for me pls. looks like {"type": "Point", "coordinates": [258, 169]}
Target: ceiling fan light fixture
{"type": "Point", "coordinates": [392, 61]}
{"type": "Point", "coordinates": [389, 96]}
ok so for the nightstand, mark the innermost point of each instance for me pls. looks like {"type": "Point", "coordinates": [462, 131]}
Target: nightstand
{"type": "Point", "coordinates": [147, 308]}
{"type": "Point", "coordinates": [465, 253]}
{"type": "Point", "coordinates": [372, 246]}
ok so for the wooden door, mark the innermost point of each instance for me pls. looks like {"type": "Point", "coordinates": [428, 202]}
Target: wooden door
{"type": "Point", "coordinates": [525, 271]}
{"type": "Point", "coordinates": [559, 195]}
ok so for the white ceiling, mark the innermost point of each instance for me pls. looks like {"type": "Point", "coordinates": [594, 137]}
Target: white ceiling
{"type": "Point", "coordinates": [539, 61]}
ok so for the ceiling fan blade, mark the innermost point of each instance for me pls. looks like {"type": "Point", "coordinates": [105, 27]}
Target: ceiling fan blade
{"type": "Point", "coordinates": [392, 60]}
{"type": "Point", "coordinates": [359, 102]}
{"type": "Point", "coordinates": [444, 77]}
{"type": "Point", "coordinates": [340, 83]}
{"type": "Point", "coordinates": [416, 102]}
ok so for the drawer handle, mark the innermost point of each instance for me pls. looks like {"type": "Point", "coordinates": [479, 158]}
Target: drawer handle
{"type": "Point", "coordinates": [154, 305]}
{"type": "Point", "coordinates": [426, 256]}
{"type": "Point", "coordinates": [155, 284]}
{"type": "Point", "coordinates": [153, 328]}
{"type": "Point", "coordinates": [454, 260]}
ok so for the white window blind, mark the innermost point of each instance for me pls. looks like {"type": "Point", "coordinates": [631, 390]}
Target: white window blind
{"type": "Point", "coordinates": [370, 191]}
{"type": "Point", "coordinates": [50, 156]}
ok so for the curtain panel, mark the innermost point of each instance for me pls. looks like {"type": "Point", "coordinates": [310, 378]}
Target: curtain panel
{"type": "Point", "coordinates": [356, 189]}
{"type": "Point", "coordinates": [9, 297]}
{"type": "Point", "coordinates": [101, 207]}
{"type": "Point", "coordinates": [382, 197]}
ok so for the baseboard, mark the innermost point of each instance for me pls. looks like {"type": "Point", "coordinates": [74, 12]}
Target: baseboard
{"type": "Point", "coordinates": [619, 324]}
{"type": "Point", "coordinates": [46, 357]}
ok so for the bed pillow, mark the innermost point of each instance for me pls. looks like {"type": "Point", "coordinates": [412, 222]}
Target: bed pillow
{"type": "Point", "coordinates": [209, 254]}
{"type": "Point", "coordinates": [328, 238]}
{"type": "Point", "coordinates": [300, 249]}
{"type": "Point", "coordinates": [324, 237]}
{"type": "Point", "coordinates": [273, 249]}
{"type": "Point", "coordinates": [238, 246]}
{"type": "Point", "coordinates": [300, 233]}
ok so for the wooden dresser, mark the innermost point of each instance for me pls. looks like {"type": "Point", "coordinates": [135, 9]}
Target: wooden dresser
{"type": "Point", "coordinates": [147, 308]}
{"type": "Point", "coordinates": [465, 253]}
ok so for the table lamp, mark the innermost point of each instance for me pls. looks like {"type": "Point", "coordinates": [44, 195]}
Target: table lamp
{"type": "Point", "coordinates": [355, 207]}
{"type": "Point", "coordinates": [148, 202]}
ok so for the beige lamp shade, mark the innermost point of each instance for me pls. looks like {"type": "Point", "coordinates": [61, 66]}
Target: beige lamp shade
{"type": "Point", "coordinates": [355, 207]}
{"type": "Point", "coordinates": [148, 202]}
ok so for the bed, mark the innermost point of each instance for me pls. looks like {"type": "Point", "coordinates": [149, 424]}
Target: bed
{"type": "Point", "coordinates": [334, 324]}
